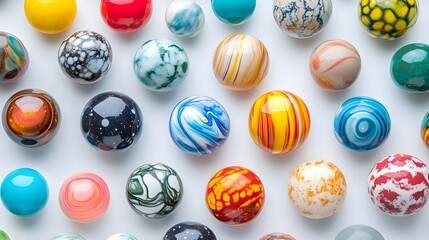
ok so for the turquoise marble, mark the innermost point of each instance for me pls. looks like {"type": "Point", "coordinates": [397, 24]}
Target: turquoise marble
{"type": "Point", "coordinates": [199, 125]}
{"type": "Point", "coordinates": [359, 232]}
{"type": "Point", "coordinates": [68, 236]}
{"type": "Point", "coordinates": [161, 64]}
{"type": "Point", "coordinates": [121, 236]}
{"type": "Point", "coordinates": [409, 68]}
{"type": "Point", "coordinates": [233, 12]}
{"type": "Point", "coordinates": [362, 124]}
{"type": "Point", "coordinates": [184, 18]}
{"type": "Point", "coordinates": [3, 235]}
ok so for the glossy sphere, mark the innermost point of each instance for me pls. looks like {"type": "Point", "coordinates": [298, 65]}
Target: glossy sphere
{"type": "Point", "coordinates": [189, 231]}
{"type": "Point", "coordinates": [85, 57]}
{"type": "Point", "coordinates": [398, 184]}
{"type": "Point", "coordinates": [184, 18]}
{"type": "Point", "coordinates": [24, 192]}
{"type": "Point", "coordinates": [424, 130]}
{"type": "Point", "coordinates": [84, 197]}
{"type": "Point", "coordinates": [111, 121]}
{"type": "Point", "coordinates": [50, 16]}
{"type": "Point", "coordinates": [3, 236]}
{"type": "Point", "coordinates": [154, 190]}
{"type": "Point", "coordinates": [388, 19]}
{"type": "Point", "coordinates": [161, 64]}
{"type": "Point", "coordinates": [240, 62]}
{"type": "Point", "coordinates": [13, 58]}
{"type": "Point", "coordinates": [199, 125]}
{"type": "Point", "coordinates": [235, 195]}
{"type": "Point", "coordinates": [409, 68]}
{"type": "Point", "coordinates": [335, 64]}
{"type": "Point", "coordinates": [277, 236]}
{"type": "Point", "coordinates": [68, 236]}
{"type": "Point", "coordinates": [317, 189]}
{"type": "Point", "coordinates": [279, 122]}
{"type": "Point", "coordinates": [126, 15]}
{"type": "Point", "coordinates": [359, 232]}
{"type": "Point", "coordinates": [362, 124]}
{"type": "Point", "coordinates": [121, 236]}
{"type": "Point", "coordinates": [302, 18]}
{"type": "Point", "coordinates": [233, 12]}
{"type": "Point", "coordinates": [31, 117]}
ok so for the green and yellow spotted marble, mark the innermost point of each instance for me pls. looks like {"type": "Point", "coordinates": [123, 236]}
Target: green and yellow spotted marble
{"type": "Point", "coordinates": [388, 19]}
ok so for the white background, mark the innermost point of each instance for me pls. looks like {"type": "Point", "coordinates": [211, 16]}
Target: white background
{"type": "Point", "coordinates": [69, 153]}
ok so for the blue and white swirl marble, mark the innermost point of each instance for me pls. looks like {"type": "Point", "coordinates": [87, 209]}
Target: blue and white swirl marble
{"type": "Point", "coordinates": [362, 124]}
{"type": "Point", "coordinates": [199, 125]}
{"type": "Point", "coordinates": [184, 18]}
{"type": "Point", "coordinates": [302, 18]}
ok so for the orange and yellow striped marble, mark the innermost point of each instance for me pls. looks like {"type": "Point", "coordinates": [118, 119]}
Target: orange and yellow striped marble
{"type": "Point", "coordinates": [241, 62]}
{"type": "Point", "coordinates": [279, 122]}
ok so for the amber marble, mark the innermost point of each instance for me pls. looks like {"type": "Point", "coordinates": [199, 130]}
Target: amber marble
{"type": "Point", "coordinates": [31, 117]}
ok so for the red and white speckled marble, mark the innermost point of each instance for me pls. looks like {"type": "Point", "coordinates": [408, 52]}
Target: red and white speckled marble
{"type": "Point", "coordinates": [399, 184]}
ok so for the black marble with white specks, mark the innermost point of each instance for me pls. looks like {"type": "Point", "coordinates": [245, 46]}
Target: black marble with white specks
{"type": "Point", "coordinates": [189, 231]}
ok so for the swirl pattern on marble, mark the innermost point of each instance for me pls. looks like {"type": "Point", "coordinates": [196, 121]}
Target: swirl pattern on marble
{"type": "Point", "coordinates": [189, 231]}
{"type": "Point", "coordinates": [362, 124]}
{"type": "Point", "coordinates": [68, 236]}
{"type": "Point", "coordinates": [279, 122]}
{"type": "Point", "coordinates": [199, 125]}
{"type": "Point", "coordinates": [184, 18]}
{"type": "Point", "coordinates": [277, 236]}
{"type": "Point", "coordinates": [359, 232]}
{"type": "Point", "coordinates": [84, 197]}
{"type": "Point", "coordinates": [240, 62]}
{"type": "Point", "coordinates": [13, 58]}
{"type": "Point", "coordinates": [335, 64]}
{"type": "Point", "coordinates": [424, 130]}
{"type": "Point", "coordinates": [85, 57]}
{"type": "Point", "coordinates": [302, 18]}
{"type": "Point", "coordinates": [154, 190]}
{"type": "Point", "coordinates": [121, 236]}
{"type": "Point", "coordinates": [317, 189]}
{"type": "Point", "coordinates": [161, 64]}
{"type": "Point", "coordinates": [399, 184]}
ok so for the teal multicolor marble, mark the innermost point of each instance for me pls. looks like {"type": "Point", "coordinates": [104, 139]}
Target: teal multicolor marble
{"type": "Point", "coordinates": [359, 232]}
{"type": "Point", "coordinates": [234, 12]}
{"type": "Point", "coordinates": [302, 18]}
{"type": "Point", "coordinates": [199, 125]}
{"type": "Point", "coordinates": [13, 58]}
{"type": "Point", "coordinates": [184, 18]}
{"type": "Point", "coordinates": [121, 236]}
{"type": "Point", "coordinates": [161, 64]}
{"type": "Point", "coordinates": [409, 68]}
{"type": "Point", "coordinates": [362, 124]}
{"type": "Point", "coordinates": [424, 129]}
{"type": "Point", "coordinates": [3, 235]}
{"type": "Point", "coordinates": [68, 236]}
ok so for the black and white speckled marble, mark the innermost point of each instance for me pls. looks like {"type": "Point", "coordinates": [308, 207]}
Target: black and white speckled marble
{"type": "Point", "coordinates": [189, 231]}
{"type": "Point", "coordinates": [85, 57]}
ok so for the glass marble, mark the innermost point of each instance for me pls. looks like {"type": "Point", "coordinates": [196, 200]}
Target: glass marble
{"type": "Point", "coordinates": [4, 236]}
{"type": "Point", "coordinates": [184, 18]}
{"type": "Point", "coordinates": [31, 118]}
{"type": "Point", "coordinates": [362, 124]}
{"type": "Point", "coordinates": [84, 197]}
{"type": "Point", "coordinates": [111, 122]}
{"type": "Point", "coordinates": [85, 57]}
{"type": "Point", "coordinates": [199, 125]}
{"type": "Point", "coordinates": [235, 195]}
{"type": "Point", "coordinates": [161, 64]}
{"type": "Point", "coordinates": [50, 17]}
{"type": "Point", "coordinates": [424, 129]}
{"type": "Point", "coordinates": [388, 19]}
{"type": "Point", "coordinates": [121, 236]}
{"type": "Point", "coordinates": [24, 192]}
{"type": "Point", "coordinates": [68, 236]}
{"type": "Point", "coordinates": [302, 18]}
{"type": "Point", "coordinates": [240, 62]}
{"type": "Point", "coordinates": [154, 190]}
{"type": "Point", "coordinates": [359, 232]}
{"type": "Point", "coordinates": [409, 68]}
{"type": "Point", "coordinates": [277, 236]}
{"type": "Point", "coordinates": [335, 64]}
{"type": "Point", "coordinates": [126, 16]}
{"type": "Point", "coordinates": [233, 12]}
{"type": "Point", "coordinates": [189, 231]}
{"type": "Point", "coordinates": [317, 189]}
{"type": "Point", "coordinates": [14, 58]}
{"type": "Point", "coordinates": [398, 185]}
{"type": "Point", "coordinates": [279, 122]}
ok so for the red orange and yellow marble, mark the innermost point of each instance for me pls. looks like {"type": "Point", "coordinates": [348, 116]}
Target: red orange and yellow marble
{"type": "Point", "coordinates": [31, 117]}
{"type": "Point", "coordinates": [84, 197]}
{"type": "Point", "coordinates": [235, 195]}
{"type": "Point", "coordinates": [279, 122]}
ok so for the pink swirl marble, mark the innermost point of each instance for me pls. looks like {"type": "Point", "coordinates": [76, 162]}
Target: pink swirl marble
{"type": "Point", "coordinates": [84, 197]}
